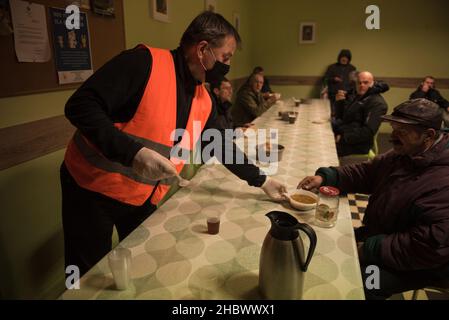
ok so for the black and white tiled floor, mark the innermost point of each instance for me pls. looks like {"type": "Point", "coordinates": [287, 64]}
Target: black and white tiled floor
{"type": "Point", "coordinates": [357, 204]}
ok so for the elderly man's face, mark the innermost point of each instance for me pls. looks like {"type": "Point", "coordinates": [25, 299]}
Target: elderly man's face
{"type": "Point", "coordinates": [257, 83]}
{"type": "Point", "coordinates": [407, 139]}
{"type": "Point", "coordinates": [364, 82]}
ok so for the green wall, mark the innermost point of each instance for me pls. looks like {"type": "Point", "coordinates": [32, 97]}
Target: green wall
{"type": "Point", "coordinates": [31, 248]}
{"type": "Point", "coordinates": [142, 29]}
{"type": "Point", "coordinates": [412, 40]}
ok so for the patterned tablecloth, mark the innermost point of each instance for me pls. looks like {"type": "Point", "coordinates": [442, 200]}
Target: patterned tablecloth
{"type": "Point", "coordinates": [173, 256]}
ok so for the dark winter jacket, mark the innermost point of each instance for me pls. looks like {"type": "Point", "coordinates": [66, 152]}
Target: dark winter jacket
{"type": "Point", "coordinates": [339, 70]}
{"type": "Point", "coordinates": [361, 118]}
{"type": "Point", "coordinates": [407, 218]}
{"type": "Point", "coordinates": [223, 119]}
{"type": "Point", "coordinates": [248, 106]}
{"type": "Point", "coordinates": [432, 95]}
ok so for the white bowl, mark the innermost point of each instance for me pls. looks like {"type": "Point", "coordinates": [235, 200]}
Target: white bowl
{"type": "Point", "coordinates": [301, 205]}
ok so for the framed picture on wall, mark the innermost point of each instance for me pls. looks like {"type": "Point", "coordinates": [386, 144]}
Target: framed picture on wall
{"type": "Point", "coordinates": [307, 32]}
{"type": "Point", "coordinates": [103, 7]}
{"type": "Point", "coordinates": [161, 10]}
{"type": "Point", "coordinates": [236, 20]}
{"type": "Point", "coordinates": [210, 5]}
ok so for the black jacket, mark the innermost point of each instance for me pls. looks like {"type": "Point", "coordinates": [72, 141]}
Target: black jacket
{"type": "Point", "coordinates": [351, 95]}
{"type": "Point", "coordinates": [339, 70]}
{"type": "Point", "coordinates": [112, 94]}
{"type": "Point", "coordinates": [361, 118]}
{"type": "Point", "coordinates": [432, 95]}
{"type": "Point", "coordinates": [223, 119]}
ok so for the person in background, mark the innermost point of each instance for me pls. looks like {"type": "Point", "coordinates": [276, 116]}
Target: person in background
{"type": "Point", "coordinates": [120, 162]}
{"type": "Point", "coordinates": [427, 90]}
{"type": "Point", "coordinates": [222, 93]}
{"type": "Point", "coordinates": [266, 83]}
{"type": "Point", "coordinates": [266, 89]}
{"type": "Point", "coordinates": [406, 223]}
{"type": "Point", "coordinates": [250, 103]}
{"type": "Point", "coordinates": [361, 119]}
{"type": "Point", "coordinates": [337, 76]}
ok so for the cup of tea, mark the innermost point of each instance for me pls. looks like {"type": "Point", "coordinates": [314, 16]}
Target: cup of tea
{"type": "Point", "coordinates": [213, 224]}
{"type": "Point", "coordinates": [291, 118]}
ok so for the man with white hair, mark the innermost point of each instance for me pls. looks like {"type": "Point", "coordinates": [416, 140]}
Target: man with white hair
{"type": "Point", "coordinates": [354, 134]}
{"type": "Point", "coordinates": [250, 102]}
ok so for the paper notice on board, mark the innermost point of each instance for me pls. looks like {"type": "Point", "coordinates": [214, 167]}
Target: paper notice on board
{"type": "Point", "coordinates": [72, 48]}
{"type": "Point", "coordinates": [30, 31]}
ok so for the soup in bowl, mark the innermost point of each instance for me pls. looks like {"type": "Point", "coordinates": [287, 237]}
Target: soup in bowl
{"type": "Point", "coordinates": [301, 199]}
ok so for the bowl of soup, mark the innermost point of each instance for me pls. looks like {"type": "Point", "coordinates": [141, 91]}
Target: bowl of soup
{"type": "Point", "coordinates": [303, 200]}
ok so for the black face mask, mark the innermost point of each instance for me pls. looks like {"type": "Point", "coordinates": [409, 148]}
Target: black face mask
{"type": "Point", "coordinates": [218, 71]}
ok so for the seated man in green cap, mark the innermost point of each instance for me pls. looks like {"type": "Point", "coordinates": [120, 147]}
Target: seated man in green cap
{"type": "Point", "coordinates": [406, 223]}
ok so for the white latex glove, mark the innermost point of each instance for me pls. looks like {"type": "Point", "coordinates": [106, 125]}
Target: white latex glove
{"type": "Point", "coordinates": [151, 165]}
{"type": "Point", "coordinates": [274, 189]}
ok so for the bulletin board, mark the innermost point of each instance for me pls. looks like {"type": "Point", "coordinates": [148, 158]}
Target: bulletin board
{"type": "Point", "coordinates": [107, 39]}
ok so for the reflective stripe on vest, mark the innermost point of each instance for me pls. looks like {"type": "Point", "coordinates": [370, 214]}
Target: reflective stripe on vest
{"type": "Point", "coordinates": [153, 125]}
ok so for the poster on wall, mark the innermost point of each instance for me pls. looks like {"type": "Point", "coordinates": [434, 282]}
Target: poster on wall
{"type": "Point", "coordinates": [72, 48]}
{"type": "Point", "coordinates": [30, 31]}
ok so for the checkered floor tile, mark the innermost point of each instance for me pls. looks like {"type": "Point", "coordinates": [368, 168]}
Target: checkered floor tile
{"type": "Point", "coordinates": [358, 203]}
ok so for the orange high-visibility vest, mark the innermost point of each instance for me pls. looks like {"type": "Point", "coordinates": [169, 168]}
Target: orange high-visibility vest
{"type": "Point", "coordinates": [153, 125]}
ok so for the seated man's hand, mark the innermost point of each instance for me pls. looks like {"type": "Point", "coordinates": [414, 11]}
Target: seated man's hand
{"type": "Point", "coordinates": [272, 99]}
{"type": "Point", "coordinates": [341, 95]}
{"type": "Point", "coordinates": [310, 183]}
{"type": "Point", "coordinates": [274, 189]}
{"type": "Point", "coordinates": [337, 138]}
{"type": "Point", "coordinates": [266, 95]}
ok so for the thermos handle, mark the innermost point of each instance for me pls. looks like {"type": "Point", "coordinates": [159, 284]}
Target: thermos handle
{"type": "Point", "coordinates": [312, 237]}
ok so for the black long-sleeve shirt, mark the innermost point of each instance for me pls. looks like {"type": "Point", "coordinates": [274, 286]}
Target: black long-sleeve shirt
{"type": "Point", "coordinates": [432, 95]}
{"type": "Point", "coordinates": [113, 93]}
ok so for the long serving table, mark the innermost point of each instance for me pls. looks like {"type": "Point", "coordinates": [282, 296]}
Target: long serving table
{"type": "Point", "coordinates": [173, 256]}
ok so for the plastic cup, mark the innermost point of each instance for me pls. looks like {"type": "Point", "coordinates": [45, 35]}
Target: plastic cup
{"type": "Point", "coordinates": [120, 265]}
